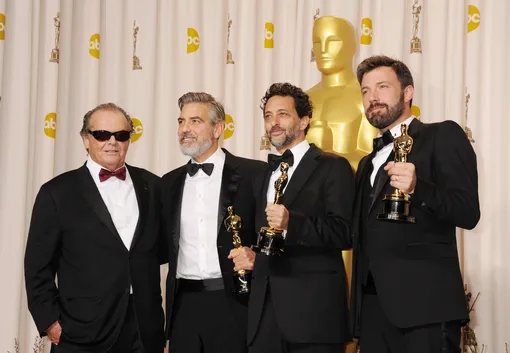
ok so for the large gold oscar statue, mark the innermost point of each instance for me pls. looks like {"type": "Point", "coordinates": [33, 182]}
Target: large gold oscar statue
{"type": "Point", "coordinates": [339, 124]}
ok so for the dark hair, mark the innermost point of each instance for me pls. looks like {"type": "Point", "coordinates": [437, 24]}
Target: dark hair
{"type": "Point", "coordinates": [302, 102]}
{"type": "Point", "coordinates": [105, 106]}
{"type": "Point", "coordinates": [401, 70]}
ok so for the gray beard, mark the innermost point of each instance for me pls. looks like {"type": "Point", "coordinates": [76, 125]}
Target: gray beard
{"type": "Point", "coordinates": [196, 149]}
{"type": "Point", "coordinates": [290, 136]}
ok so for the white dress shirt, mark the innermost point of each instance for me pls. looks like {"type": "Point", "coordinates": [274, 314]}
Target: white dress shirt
{"type": "Point", "coordinates": [198, 251]}
{"type": "Point", "coordinates": [382, 155]}
{"type": "Point", "coordinates": [120, 199]}
{"type": "Point", "coordinates": [298, 151]}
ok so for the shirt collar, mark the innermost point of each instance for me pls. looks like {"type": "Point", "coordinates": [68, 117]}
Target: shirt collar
{"type": "Point", "coordinates": [217, 158]}
{"type": "Point", "coordinates": [95, 167]}
{"type": "Point", "coordinates": [298, 151]}
{"type": "Point", "coordinates": [395, 130]}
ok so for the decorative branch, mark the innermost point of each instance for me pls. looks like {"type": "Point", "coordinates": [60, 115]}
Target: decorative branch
{"type": "Point", "coordinates": [38, 345]}
{"type": "Point", "coordinates": [16, 346]}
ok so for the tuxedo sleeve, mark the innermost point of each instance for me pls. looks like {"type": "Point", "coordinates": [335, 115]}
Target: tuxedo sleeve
{"type": "Point", "coordinates": [333, 227]}
{"type": "Point", "coordinates": [41, 262]}
{"type": "Point", "coordinates": [453, 194]}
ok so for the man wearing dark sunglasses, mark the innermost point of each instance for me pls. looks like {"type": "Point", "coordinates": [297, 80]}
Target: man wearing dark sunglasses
{"type": "Point", "coordinates": [97, 229]}
{"type": "Point", "coordinates": [204, 315]}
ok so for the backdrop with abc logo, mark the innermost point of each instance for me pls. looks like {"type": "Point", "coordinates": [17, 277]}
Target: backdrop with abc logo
{"type": "Point", "coordinates": [58, 59]}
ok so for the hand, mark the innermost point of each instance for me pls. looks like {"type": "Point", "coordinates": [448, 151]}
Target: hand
{"type": "Point", "coordinates": [402, 176]}
{"type": "Point", "coordinates": [54, 332]}
{"type": "Point", "coordinates": [277, 216]}
{"type": "Point", "coordinates": [243, 257]}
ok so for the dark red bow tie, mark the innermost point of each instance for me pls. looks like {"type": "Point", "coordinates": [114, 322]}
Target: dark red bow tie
{"type": "Point", "coordinates": [105, 174]}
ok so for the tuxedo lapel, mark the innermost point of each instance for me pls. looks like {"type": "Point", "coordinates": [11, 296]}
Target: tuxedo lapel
{"type": "Point", "coordinates": [142, 196]}
{"type": "Point", "coordinates": [383, 177]}
{"type": "Point", "coordinates": [362, 174]}
{"type": "Point", "coordinates": [93, 197]}
{"type": "Point", "coordinates": [363, 170]}
{"type": "Point", "coordinates": [229, 186]}
{"type": "Point", "coordinates": [261, 204]}
{"type": "Point", "coordinates": [303, 171]}
{"type": "Point", "coordinates": [177, 190]}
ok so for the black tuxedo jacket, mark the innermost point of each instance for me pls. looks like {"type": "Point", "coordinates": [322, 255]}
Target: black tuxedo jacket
{"type": "Point", "coordinates": [308, 285]}
{"type": "Point", "coordinates": [237, 189]}
{"type": "Point", "coordinates": [415, 267]}
{"type": "Point", "coordinates": [73, 236]}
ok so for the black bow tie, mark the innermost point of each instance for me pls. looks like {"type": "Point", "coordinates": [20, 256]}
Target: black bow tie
{"type": "Point", "coordinates": [383, 140]}
{"type": "Point", "coordinates": [275, 160]}
{"type": "Point", "coordinates": [192, 168]}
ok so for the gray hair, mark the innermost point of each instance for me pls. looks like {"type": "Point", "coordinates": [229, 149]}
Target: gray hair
{"type": "Point", "coordinates": [216, 110]}
{"type": "Point", "coordinates": [102, 107]}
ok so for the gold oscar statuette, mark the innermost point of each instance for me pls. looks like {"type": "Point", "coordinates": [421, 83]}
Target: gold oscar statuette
{"type": "Point", "coordinates": [242, 278]}
{"type": "Point", "coordinates": [315, 17]}
{"type": "Point", "coordinates": [467, 130]}
{"type": "Point", "coordinates": [396, 206]}
{"type": "Point", "coordinates": [415, 41]}
{"type": "Point", "coordinates": [136, 59]}
{"type": "Point", "coordinates": [270, 240]}
{"type": "Point", "coordinates": [230, 60]}
{"type": "Point", "coordinates": [55, 52]}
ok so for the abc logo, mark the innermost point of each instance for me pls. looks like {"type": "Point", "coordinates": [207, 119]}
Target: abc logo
{"type": "Point", "coordinates": [415, 110]}
{"type": "Point", "coordinates": [2, 26]}
{"type": "Point", "coordinates": [138, 127]}
{"type": "Point", "coordinates": [269, 35]}
{"type": "Point", "coordinates": [193, 40]}
{"type": "Point", "coordinates": [94, 45]}
{"type": "Point", "coordinates": [50, 125]}
{"type": "Point", "coordinates": [473, 18]}
{"type": "Point", "coordinates": [229, 127]}
{"type": "Point", "coordinates": [366, 31]}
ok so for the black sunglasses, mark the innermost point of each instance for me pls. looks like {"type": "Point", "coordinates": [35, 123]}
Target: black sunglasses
{"type": "Point", "coordinates": [103, 135]}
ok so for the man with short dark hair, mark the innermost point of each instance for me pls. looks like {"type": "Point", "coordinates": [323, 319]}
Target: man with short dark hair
{"type": "Point", "coordinates": [97, 229]}
{"type": "Point", "coordinates": [407, 291]}
{"type": "Point", "coordinates": [204, 315]}
{"type": "Point", "coordinates": [299, 299]}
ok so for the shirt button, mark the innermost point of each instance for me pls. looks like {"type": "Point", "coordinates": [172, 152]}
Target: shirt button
{"type": "Point", "coordinates": [423, 204]}
{"type": "Point", "coordinates": [201, 220]}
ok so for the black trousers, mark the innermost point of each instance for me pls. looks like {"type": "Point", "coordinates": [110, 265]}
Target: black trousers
{"type": "Point", "coordinates": [129, 337]}
{"type": "Point", "coordinates": [270, 340]}
{"type": "Point", "coordinates": [378, 335]}
{"type": "Point", "coordinates": [202, 321]}
{"type": "Point", "coordinates": [128, 340]}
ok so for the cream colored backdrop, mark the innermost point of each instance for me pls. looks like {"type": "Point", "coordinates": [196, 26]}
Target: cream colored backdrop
{"type": "Point", "coordinates": [182, 46]}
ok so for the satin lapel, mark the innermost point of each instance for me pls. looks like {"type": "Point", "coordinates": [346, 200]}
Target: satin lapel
{"type": "Point", "coordinates": [384, 178]}
{"type": "Point", "coordinates": [303, 171]}
{"type": "Point", "coordinates": [229, 186]}
{"type": "Point", "coordinates": [93, 197]}
{"type": "Point", "coordinates": [381, 181]}
{"type": "Point", "coordinates": [176, 201]}
{"type": "Point", "coordinates": [362, 173]}
{"type": "Point", "coordinates": [261, 216]}
{"type": "Point", "coordinates": [265, 186]}
{"type": "Point", "coordinates": [141, 187]}
{"type": "Point", "coordinates": [361, 177]}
